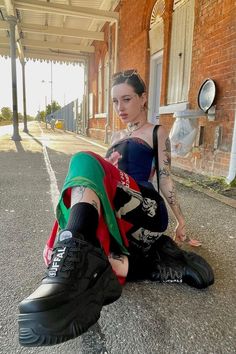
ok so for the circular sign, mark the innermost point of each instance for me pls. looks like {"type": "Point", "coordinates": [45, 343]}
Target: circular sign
{"type": "Point", "coordinates": [206, 94]}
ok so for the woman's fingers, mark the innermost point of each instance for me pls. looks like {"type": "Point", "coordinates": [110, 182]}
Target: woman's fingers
{"type": "Point", "coordinates": [194, 243]}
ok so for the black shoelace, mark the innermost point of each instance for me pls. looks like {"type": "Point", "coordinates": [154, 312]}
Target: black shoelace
{"type": "Point", "coordinates": [65, 261]}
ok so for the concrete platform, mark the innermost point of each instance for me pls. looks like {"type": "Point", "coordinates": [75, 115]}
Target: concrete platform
{"type": "Point", "coordinates": [149, 318]}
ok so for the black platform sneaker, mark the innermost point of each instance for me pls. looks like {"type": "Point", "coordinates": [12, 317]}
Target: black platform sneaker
{"type": "Point", "coordinates": [168, 263]}
{"type": "Point", "coordinates": [78, 283]}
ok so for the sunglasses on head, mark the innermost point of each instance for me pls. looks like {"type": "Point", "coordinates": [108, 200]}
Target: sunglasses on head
{"type": "Point", "coordinates": [126, 73]}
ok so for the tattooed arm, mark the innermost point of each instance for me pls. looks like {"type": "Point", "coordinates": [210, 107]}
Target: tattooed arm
{"type": "Point", "coordinates": [167, 184]}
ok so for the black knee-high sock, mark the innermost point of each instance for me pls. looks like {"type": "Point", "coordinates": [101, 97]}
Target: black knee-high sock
{"type": "Point", "coordinates": [83, 220]}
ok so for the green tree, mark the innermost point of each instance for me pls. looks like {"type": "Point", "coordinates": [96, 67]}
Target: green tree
{"type": "Point", "coordinates": [52, 107]}
{"type": "Point", "coordinates": [20, 117]}
{"type": "Point", "coordinates": [6, 113]}
{"type": "Point", "coordinates": [31, 117]}
{"type": "Point", "coordinates": [40, 117]}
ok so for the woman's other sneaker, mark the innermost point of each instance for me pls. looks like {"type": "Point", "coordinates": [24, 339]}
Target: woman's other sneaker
{"type": "Point", "coordinates": [169, 263]}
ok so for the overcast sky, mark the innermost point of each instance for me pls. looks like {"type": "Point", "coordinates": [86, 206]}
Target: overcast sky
{"type": "Point", "coordinates": [67, 84]}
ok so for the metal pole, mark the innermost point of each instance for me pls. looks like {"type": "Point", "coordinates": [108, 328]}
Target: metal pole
{"type": "Point", "coordinates": [46, 111]}
{"type": "Point", "coordinates": [12, 24]}
{"type": "Point", "coordinates": [24, 97]}
{"type": "Point", "coordinates": [51, 86]}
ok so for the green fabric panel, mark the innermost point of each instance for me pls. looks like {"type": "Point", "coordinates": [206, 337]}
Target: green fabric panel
{"type": "Point", "coordinates": [85, 170]}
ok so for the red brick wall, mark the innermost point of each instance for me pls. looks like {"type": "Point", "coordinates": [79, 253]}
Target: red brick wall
{"type": "Point", "coordinates": [132, 50]}
{"type": "Point", "coordinates": [97, 128]}
{"type": "Point", "coordinates": [133, 38]}
{"type": "Point", "coordinates": [213, 56]}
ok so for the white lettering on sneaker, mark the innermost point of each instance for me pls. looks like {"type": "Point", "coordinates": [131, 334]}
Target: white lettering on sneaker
{"type": "Point", "coordinates": [173, 281]}
{"type": "Point", "coordinates": [55, 265]}
{"type": "Point", "coordinates": [52, 273]}
{"type": "Point", "coordinates": [56, 262]}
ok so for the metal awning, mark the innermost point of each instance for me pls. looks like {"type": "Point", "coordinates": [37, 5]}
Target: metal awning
{"type": "Point", "coordinates": [57, 30]}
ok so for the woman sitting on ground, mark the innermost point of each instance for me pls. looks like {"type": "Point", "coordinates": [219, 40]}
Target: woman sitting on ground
{"type": "Point", "coordinates": [110, 229]}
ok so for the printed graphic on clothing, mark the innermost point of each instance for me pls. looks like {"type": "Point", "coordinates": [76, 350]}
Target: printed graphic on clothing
{"type": "Point", "coordinates": [114, 158]}
{"type": "Point", "coordinates": [149, 207]}
{"type": "Point", "coordinates": [138, 208]}
{"type": "Point", "coordinates": [145, 236]}
{"type": "Point", "coordinates": [126, 200]}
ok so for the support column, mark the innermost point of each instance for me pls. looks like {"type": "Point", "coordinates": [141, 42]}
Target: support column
{"type": "Point", "coordinates": [107, 125]}
{"type": "Point", "coordinates": [12, 24]}
{"type": "Point", "coordinates": [24, 97]}
{"type": "Point", "coordinates": [85, 99]}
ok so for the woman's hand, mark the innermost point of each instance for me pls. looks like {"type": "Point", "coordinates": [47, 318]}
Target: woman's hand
{"type": "Point", "coordinates": [180, 233]}
{"type": "Point", "coordinates": [180, 236]}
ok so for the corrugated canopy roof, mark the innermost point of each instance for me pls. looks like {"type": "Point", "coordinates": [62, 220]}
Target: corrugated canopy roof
{"type": "Point", "coordinates": [57, 30]}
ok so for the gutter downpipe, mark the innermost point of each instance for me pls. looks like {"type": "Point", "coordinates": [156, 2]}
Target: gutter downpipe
{"type": "Point", "coordinates": [109, 85]}
{"type": "Point", "coordinates": [232, 164]}
{"type": "Point", "coordinates": [115, 65]}
{"type": "Point", "coordinates": [116, 46]}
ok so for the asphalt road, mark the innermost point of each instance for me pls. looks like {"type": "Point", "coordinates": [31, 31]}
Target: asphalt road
{"type": "Point", "coordinates": [149, 317]}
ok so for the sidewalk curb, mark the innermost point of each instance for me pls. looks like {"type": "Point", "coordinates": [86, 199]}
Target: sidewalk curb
{"type": "Point", "coordinates": [214, 195]}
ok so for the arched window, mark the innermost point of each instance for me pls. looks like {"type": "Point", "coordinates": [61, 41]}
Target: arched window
{"type": "Point", "coordinates": [156, 32]}
{"type": "Point", "coordinates": [180, 51]}
{"type": "Point", "coordinates": [157, 12]}
{"type": "Point", "coordinates": [156, 43]}
{"type": "Point", "coordinates": [100, 86]}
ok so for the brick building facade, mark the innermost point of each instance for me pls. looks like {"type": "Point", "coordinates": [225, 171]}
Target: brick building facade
{"type": "Point", "coordinates": [180, 43]}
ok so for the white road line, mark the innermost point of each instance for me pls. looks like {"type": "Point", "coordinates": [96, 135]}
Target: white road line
{"type": "Point", "coordinates": [92, 142]}
{"type": "Point", "coordinates": [54, 191]}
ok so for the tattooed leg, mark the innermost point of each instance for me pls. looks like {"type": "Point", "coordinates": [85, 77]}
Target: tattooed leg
{"type": "Point", "coordinates": [84, 194]}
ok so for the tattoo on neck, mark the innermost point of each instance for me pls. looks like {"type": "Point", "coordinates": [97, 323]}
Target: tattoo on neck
{"type": "Point", "coordinates": [132, 125]}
